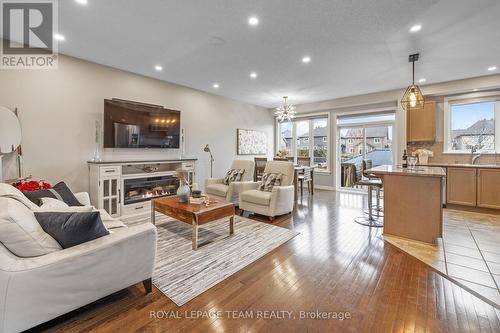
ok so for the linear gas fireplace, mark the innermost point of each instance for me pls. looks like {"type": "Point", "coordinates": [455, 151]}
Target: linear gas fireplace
{"type": "Point", "coordinates": [143, 189]}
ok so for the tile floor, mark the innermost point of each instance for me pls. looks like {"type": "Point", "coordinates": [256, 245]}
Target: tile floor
{"type": "Point", "coordinates": [469, 251]}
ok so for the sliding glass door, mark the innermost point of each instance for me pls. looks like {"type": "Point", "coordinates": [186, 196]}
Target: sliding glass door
{"type": "Point", "coordinates": [363, 141]}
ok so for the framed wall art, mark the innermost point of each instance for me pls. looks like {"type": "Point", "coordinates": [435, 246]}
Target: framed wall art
{"type": "Point", "coordinates": [250, 142]}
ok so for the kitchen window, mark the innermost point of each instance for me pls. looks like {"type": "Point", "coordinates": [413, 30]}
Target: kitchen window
{"type": "Point", "coordinates": [306, 137]}
{"type": "Point", "coordinates": [472, 124]}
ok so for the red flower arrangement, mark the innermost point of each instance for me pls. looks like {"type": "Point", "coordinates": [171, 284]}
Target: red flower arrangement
{"type": "Point", "coordinates": [32, 186]}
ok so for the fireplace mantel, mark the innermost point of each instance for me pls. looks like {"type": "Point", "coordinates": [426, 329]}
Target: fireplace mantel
{"type": "Point", "coordinates": [110, 179]}
{"type": "Point", "coordinates": [121, 162]}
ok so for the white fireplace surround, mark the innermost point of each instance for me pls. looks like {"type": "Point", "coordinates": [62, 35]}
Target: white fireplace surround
{"type": "Point", "coordinates": [107, 182]}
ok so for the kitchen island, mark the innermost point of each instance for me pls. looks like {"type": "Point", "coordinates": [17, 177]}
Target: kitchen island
{"type": "Point", "coordinates": [412, 201]}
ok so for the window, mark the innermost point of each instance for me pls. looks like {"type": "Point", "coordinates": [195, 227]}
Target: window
{"type": "Point", "coordinates": [285, 138]}
{"type": "Point", "coordinates": [309, 138]}
{"type": "Point", "coordinates": [351, 150]}
{"type": "Point", "coordinates": [376, 140]}
{"type": "Point", "coordinates": [320, 152]}
{"type": "Point", "coordinates": [350, 141]}
{"type": "Point", "coordinates": [472, 125]}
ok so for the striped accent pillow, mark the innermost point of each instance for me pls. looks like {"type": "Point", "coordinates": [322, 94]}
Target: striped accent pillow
{"type": "Point", "coordinates": [269, 180]}
{"type": "Point", "coordinates": [233, 175]}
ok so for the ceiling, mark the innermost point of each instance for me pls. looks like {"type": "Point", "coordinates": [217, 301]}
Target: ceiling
{"type": "Point", "coordinates": [356, 46]}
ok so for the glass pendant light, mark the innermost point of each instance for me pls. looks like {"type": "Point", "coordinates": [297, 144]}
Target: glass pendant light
{"type": "Point", "coordinates": [285, 112]}
{"type": "Point", "coordinates": [413, 97]}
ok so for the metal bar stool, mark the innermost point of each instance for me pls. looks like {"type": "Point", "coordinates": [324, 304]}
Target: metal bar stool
{"type": "Point", "coordinates": [371, 220]}
{"type": "Point", "coordinates": [372, 182]}
{"type": "Point", "coordinates": [378, 210]}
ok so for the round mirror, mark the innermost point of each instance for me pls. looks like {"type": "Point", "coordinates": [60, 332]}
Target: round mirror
{"type": "Point", "coordinates": [10, 131]}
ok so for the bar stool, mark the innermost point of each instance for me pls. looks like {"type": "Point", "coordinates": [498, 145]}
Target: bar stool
{"type": "Point", "coordinates": [372, 220]}
{"type": "Point", "coordinates": [378, 210]}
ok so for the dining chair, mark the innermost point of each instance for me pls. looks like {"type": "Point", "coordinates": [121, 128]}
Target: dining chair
{"type": "Point", "coordinates": [305, 177]}
{"type": "Point", "coordinates": [304, 161]}
{"type": "Point", "coordinates": [260, 165]}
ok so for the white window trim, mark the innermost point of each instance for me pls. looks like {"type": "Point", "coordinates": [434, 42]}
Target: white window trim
{"type": "Point", "coordinates": [468, 99]}
{"type": "Point", "coordinates": [319, 115]}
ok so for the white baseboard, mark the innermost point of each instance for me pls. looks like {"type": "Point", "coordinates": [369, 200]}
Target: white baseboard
{"type": "Point", "coordinates": [324, 187]}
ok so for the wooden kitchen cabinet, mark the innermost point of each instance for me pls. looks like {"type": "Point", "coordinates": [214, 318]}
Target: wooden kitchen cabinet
{"type": "Point", "coordinates": [421, 123]}
{"type": "Point", "coordinates": [461, 186]}
{"type": "Point", "coordinates": [488, 188]}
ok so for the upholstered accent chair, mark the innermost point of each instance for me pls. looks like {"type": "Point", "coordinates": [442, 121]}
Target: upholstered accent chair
{"type": "Point", "coordinates": [277, 202]}
{"type": "Point", "coordinates": [216, 189]}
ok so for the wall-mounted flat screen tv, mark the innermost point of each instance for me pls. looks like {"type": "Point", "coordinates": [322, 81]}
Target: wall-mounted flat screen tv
{"type": "Point", "coordinates": [137, 125]}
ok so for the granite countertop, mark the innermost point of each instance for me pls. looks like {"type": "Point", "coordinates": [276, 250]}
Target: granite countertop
{"type": "Point", "coordinates": [464, 165]}
{"type": "Point", "coordinates": [142, 161]}
{"type": "Point", "coordinates": [420, 171]}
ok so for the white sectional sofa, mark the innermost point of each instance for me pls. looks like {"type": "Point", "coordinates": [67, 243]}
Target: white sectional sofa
{"type": "Point", "coordinates": [46, 281]}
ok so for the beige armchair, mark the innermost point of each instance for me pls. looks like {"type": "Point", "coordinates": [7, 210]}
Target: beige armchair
{"type": "Point", "coordinates": [277, 202]}
{"type": "Point", "coordinates": [216, 189]}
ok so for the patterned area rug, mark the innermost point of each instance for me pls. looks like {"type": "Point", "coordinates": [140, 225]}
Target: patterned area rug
{"type": "Point", "coordinates": [182, 274]}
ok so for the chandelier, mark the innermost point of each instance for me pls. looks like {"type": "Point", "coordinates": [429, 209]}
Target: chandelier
{"type": "Point", "coordinates": [285, 112]}
{"type": "Point", "coordinates": [413, 96]}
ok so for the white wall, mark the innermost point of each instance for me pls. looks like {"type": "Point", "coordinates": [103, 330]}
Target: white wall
{"type": "Point", "coordinates": [388, 99]}
{"type": "Point", "coordinates": [58, 109]}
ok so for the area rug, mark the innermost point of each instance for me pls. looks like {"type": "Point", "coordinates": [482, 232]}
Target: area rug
{"type": "Point", "coordinates": [182, 274]}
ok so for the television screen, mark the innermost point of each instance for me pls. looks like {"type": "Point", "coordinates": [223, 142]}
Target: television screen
{"type": "Point", "coordinates": [137, 125]}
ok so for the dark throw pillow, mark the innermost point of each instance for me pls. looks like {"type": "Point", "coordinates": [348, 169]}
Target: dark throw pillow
{"type": "Point", "coordinates": [70, 229]}
{"type": "Point", "coordinates": [269, 180]}
{"type": "Point", "coordinates": [59, 191]}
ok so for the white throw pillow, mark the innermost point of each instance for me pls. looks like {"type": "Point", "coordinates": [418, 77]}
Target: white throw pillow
{"type": "Point", "coordinates": [53, 203]}
{"type": "Point", "coordinates": [21, 233]}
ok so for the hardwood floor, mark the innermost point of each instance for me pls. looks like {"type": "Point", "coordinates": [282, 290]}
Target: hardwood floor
{"type": "Point", "coordinates": [334, 265]}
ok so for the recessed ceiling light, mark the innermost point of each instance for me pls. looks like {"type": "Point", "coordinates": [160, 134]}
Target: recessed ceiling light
{"type": "Point", "coordinates": [253, 75]}
{"type": "Point", "coordinates": [306, 59]}
{"type": "Point", "coordinates": [215, 85]}
{"type": "Point", "coordinates": [59, 37]}
{"type": "Point", "coordinates": [422, 80]}
{"type": "Point", "coordinates": [81, 2]}
{"type": "Point", "coordinates": [252, 20]}
{"type": "Point", "coordinates": [475, 89]}
{"type": "Point", "coordinates": [492, 68]}
{"type": "Point", "coordinates": [158, 68]}
{"type": "Point", "coordinates": [416, 28]}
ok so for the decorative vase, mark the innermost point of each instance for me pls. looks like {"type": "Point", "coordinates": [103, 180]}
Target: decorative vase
{"type": "Point", "coordinates": [97, 149]}
{"type": "Point", "coordinates": [183, 193]}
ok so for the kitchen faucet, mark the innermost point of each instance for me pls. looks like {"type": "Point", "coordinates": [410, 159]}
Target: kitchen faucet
{"type": "Point", "coordinates": [472, 156]}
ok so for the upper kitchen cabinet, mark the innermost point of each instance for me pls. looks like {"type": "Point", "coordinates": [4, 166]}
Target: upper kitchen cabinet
{"type": "Point", "coordinates": [421, 123]}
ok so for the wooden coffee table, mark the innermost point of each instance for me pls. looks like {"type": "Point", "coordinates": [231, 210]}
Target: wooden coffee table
{"type": "Point", "coordinates": [193, 214]}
